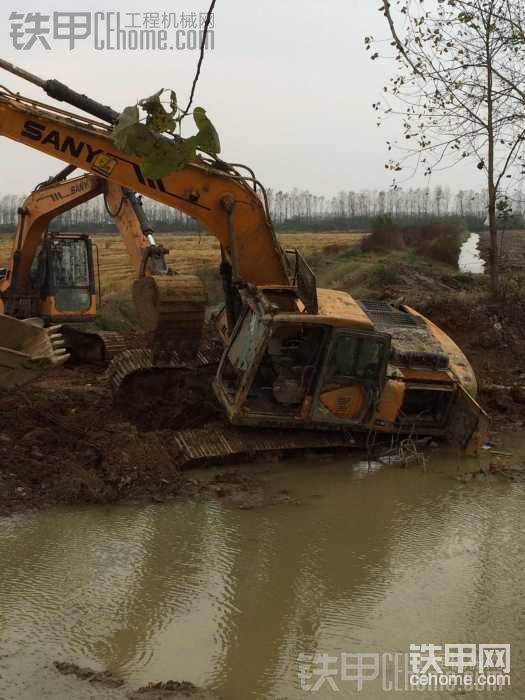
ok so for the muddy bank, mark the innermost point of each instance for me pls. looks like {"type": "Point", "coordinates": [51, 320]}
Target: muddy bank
{"type": "Point", "coordinates": [166, 690]}
{"type": "Point", "coordinates": [63, 441]}
{"type": "Point", "coordinates": [492, 337]}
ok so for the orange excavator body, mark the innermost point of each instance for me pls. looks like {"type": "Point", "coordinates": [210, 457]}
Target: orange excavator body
{"type": "Point", "coordinates": [53, 276]}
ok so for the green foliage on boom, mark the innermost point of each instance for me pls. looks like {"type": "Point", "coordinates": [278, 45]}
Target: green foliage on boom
{"type": "Point", "coordinates": [153, 137]}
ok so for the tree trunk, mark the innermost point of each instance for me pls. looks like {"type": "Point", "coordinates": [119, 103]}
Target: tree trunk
{"type": "Point", "coordinates": [493, 227]}
{"type": "Point", "coordinates": [493, 230]}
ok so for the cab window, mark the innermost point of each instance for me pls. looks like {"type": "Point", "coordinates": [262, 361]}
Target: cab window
{"type": "Point", "coordinates": [71, 275]}
{"type": "Point", "coordinates": [243, 351]}
{"type": "Point", "coordinates": [359, 357]}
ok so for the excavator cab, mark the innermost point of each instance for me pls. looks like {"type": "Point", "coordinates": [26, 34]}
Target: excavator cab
{"type": "Point", "coordinates": [64, 278]}
{"type": "Point", "coordinates": [61, 285]}
{"type": "Point", "coordinates": [290, 370]}
{"type": "Point", "coordinates": [283, 369]}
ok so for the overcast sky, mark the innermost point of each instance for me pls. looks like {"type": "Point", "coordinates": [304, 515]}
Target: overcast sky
{"type": "Point", "coordinates": [288, 86]}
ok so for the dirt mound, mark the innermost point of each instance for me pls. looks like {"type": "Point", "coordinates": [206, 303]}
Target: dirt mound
{"type": "Point", "coordinates": [492, 337]}
{"type": "Point", "coordinates": [165, 690]}
{"type": "Point", "coordinates": [512, 247]}
{"type": "Point", "coordinates": [61, 440]}
{"type": "Point", "coordinates": [104, 678]}
{"type": "Point", "coordinates": [171, 690]}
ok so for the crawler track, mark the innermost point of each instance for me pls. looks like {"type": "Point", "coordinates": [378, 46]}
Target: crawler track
{"type": "Point", "coordinates": [164, 392]}
{"type": "Point", "coordinates": [216, 444]}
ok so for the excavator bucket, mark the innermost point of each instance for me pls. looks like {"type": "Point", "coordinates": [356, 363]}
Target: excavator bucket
{"type": "Point", "coordinates": [173, 308]}
{"type": "Point", "coordinates": [27, 351]}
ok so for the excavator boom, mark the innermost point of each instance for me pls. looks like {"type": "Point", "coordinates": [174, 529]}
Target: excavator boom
{"type": "Point", "coordinates": [224, 204]}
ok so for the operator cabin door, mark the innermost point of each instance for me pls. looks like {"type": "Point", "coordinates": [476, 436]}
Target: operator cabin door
{"type": "Point", "coordinates": [72, 278]}
{"type": "Point", "coordinates": [352, 377]}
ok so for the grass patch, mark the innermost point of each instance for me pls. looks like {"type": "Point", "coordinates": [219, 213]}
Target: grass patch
{"type": "Point", "coordinates": [385, 273]}
{"type": "Point", "coordinates": [439, 241]}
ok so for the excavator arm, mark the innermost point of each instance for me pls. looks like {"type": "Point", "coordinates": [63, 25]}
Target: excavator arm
{"type": "Point", "coordinates": [53, 198]}
{"type": "Point", "coordinates": [293, 360]}
{"type": "Point", "coordinates": [222, 202]}
{"type": "Point", "coordinates": [165, 302]}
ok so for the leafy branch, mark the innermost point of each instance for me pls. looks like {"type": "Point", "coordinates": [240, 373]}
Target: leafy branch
{"type": "Point", "coordinates": [154, 136]}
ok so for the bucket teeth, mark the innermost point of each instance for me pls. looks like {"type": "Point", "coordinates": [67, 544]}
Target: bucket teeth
{"type": "Point", "coordinates": [27, 351]}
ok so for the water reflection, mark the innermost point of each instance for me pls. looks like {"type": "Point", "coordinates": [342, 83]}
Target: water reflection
{"type": "Point", "coordinates": [470, 259]}
{"type": "Point", "coordinates": [369, 561]}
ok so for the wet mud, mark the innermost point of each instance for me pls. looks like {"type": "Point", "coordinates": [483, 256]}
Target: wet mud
{"type": "Point", "coordinates": [164, 690]}
{"type": "Point", "coordinates": [62, 440]}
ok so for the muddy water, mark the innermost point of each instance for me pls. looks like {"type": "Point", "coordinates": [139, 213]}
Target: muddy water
{"type": "Point", "coordinates": [366, 560]}
{"type": "Point", "coordinates": [470, 259]}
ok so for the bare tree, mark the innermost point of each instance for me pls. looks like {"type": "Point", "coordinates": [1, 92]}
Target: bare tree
{"type": "Point", "coordinates": [459, 86]}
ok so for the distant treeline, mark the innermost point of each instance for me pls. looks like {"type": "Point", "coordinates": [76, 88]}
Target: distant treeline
{"type": "Point", "coordinates": [366, 223]}
{"type": "Point", "coordinates": [300, 210]}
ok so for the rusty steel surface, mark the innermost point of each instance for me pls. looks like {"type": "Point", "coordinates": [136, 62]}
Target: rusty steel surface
{"type": "Point", "coordinates": [173, 307]}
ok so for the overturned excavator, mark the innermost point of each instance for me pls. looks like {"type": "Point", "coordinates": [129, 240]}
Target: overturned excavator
{"type": "Point", "coordinates": [298, 366]}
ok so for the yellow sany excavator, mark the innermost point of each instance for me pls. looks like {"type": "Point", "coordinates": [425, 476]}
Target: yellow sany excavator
{"type": "Point", "coordinates": [313, 365]}
{"type": "Point", "coordinates": [53, 276]}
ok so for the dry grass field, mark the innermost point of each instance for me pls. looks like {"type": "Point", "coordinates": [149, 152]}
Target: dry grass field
{"type": "Point", "coordinates": [189, 253]}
